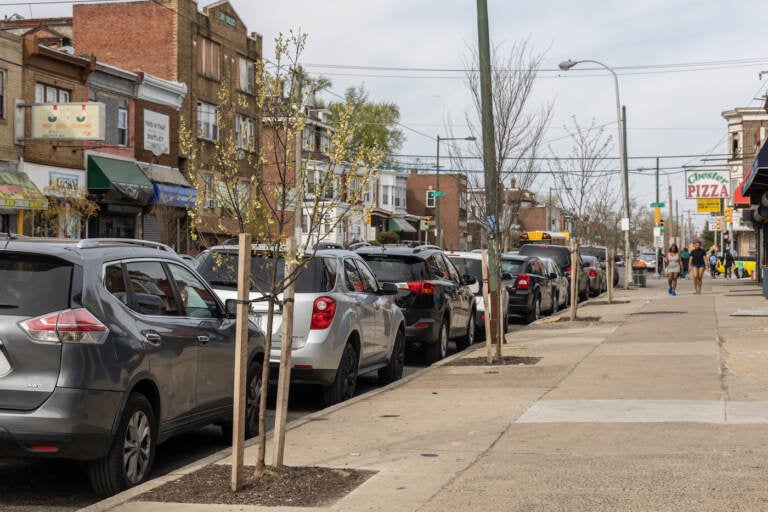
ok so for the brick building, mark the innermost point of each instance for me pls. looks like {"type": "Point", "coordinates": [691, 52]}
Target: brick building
{"type": "Point", "coordinates": [207, 50]}
{"type": "Point", "coordinates": [453, 206]}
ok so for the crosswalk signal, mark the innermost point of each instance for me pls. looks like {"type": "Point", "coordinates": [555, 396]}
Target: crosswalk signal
{"type": "Point", "coordinates": [661, 224]}
{"type": "Point", "coordinates": [728, 214]}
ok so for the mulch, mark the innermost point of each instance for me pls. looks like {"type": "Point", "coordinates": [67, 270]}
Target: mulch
{"type": "Point", "coordinates": [504, 360]}
{"type": "Point", "coordinates": [305, 486]}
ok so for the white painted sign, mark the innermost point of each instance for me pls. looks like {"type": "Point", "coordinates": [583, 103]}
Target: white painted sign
{"type": "Point", "coordinates": [68, 121]}
{"type": "Point", "coordinates": [625, 224]}
{"type": "Point", "coordinates": [156, 132]}
{"type": "Point", "coordinates": [707, 184]}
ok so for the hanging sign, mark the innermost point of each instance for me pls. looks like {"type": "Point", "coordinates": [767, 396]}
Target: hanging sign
{"type": "Point", "coordinates": [707, 184]}
{"type": "Point", "coordinates": [707, 205]}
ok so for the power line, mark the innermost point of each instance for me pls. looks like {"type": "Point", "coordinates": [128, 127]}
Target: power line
{"type": "Point", "coordinates": [552, 158]}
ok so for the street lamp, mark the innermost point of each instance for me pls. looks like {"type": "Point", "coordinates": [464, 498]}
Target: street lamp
{"type": "Point", "coordinates": [565, 66]}
{"type": "Point", "coordinates": [549, 204]}
{"type": "Point", "coordinates": [437, 193]}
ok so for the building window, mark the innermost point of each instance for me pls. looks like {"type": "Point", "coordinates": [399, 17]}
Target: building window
{"type": "Point", "coordinates": [209, 58]}
{"type": "Point", "coordinates": [209, 191]}
{"type": "Point", "coordinates": [50, 94]}
{"type": "Point", "coordinates": [207, 121]}
{"type": "Point", "coordinates": [122, 126]}
{"type": "Point", "coordinates": [244, 132]}
{"type": "Point", "coordinates": [325, 143]}
{"type": "Point", "coordinates": [400, 197]}
{"type": "Point", "coordinates": [2, 94]}
{"type": "Point", "coordinates": [385, 190]}
{"type": "Point", "coordinates": [308, 139]}
{"type": "Point", "coordinates": [245, 76]}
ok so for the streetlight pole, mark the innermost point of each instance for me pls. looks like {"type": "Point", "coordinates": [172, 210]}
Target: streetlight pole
{"type": "Point", "coordinates": [565, 66]}
{"type": "Point", "coordinates": [438, 235]}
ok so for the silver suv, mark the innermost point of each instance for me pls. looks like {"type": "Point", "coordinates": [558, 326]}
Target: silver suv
{"type": "Point", "coordinates": [345, 322]}
{"type": "Point", "coordinates": [107, 348]}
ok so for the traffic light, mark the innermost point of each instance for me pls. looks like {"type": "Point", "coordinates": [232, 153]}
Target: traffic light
{"type": "Point", "coordinates": [718, 227]}
{"type": "Point", "coordinates": [661, 224]}
{"type": "Point", "coordinates": [426, 223]}
{"type": "Point", "coordinates": [729, 214]}
{"type": "Point", "coordinates": [656, 215]}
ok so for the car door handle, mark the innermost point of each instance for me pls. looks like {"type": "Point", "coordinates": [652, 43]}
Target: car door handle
{"type": "Point", "coordinates": [152, 337]}
{"type": "Point", "coordinates": [203, 339]}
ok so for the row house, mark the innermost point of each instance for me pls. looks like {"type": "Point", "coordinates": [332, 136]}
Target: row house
{"type": "Point", "coordinates": [453, 207]}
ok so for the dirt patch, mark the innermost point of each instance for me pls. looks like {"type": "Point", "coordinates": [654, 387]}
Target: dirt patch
{"type": "Point", "coordinates": [306, 486]}
{"type": "Point", "coordinates": [505, 360]}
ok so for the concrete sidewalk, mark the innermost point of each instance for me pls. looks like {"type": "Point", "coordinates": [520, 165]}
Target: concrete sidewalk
{"type": "Point", "coordinates": [659, 405]}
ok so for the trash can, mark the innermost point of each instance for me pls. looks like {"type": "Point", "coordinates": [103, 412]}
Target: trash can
{"type": "Point", "coordinates": [765, 282]}
{"type": "Point", "coordinates": [639, 276]}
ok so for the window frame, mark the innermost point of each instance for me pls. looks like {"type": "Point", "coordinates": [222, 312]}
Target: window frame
{"type": "Point", "coordinates": [43, 90]}
{"type": "Point", "coordinates": [207, 121]}
{"type": "Point", "coordinates": [246, 143]}
{"type": "Point", "coordinates": [122, 131]}
{"type": "Point", "coordinates": [209, 58]}
{"type": "Point", "coordinates": [246, 67]}
{"type": "Point", "coordinates": [3, 87]}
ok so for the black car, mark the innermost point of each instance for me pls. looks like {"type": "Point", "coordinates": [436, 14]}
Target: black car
{"type": "Point", "coordinates": [437, 302]}
{"type": "Point", "coordinates": [110, 347]}
{"type": "Point", "coordinates": [562, 298]}
{"type": "Point", "coordinates": [599, 252]}
{"type": "Point", "coordinates": [531, 286]}
{"type": "Point", "coordinates": [562, 256]}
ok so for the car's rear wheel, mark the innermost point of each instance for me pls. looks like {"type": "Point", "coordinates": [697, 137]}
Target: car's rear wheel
{"type": "Point", "coordinates": [437, 350]}
{"type": "Point", "coordinates": [132, 454]}
{"type": "Point", "coordinates": [394, 369]}
{"type": "Point", "coordinates": [535, 312]}
{"type": "Point", "coordinates": [252, 402]}
{"type": "Point", "coordinates": [345, 382]}
{"type": "Point", "coordinates": [467, 340]}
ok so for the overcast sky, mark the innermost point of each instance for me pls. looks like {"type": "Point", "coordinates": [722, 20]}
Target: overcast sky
{"type": "Point", "coordinates": [671, 111]}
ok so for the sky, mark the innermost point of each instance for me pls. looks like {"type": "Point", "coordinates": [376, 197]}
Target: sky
{"type": "Point", "coordinates": [674, 101]}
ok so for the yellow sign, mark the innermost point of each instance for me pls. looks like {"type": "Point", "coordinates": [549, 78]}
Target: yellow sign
{"type": "Point", "coordinates": [708, 205]}
{"type": "Point", "coordinates": [535, 235]}
{"type": "Point", "coordinates": [68, 121]}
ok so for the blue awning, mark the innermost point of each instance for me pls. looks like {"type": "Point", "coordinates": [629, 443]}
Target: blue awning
{"type": "Point", "coordinates": [757, 180]}
{"type": "Point", "coordinates": [171, 195]}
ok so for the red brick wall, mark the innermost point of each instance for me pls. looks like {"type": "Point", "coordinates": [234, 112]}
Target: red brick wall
{"type": "Point", "coordinates": [138, 36]}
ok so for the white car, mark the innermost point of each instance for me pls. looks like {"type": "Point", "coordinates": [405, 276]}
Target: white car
{"type": "Point", "coordinates": [649, 259]}
{"type": "Point", "coordinates": [470, 263]}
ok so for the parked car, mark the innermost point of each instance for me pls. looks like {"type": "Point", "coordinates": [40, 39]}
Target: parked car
{"type": "Point", "coordinates": [345, 323]}
{"type": "Point", "coordinates": [562, 256]}
{"type": "Point", "coordinates": [470, 263]}
{"type": "Point", "coordinates": [436, 300]}
{"type": "Point", "coordinates": [598, 282]}
{"type": "Point", "coordinates": [650, 259]}
{"type": "Point", "coordinates": [189, 260]}
{"type": "Point", "coordinates": [530, 290]}
{"type": "Point", "coordinates": [110, 347]}
{"type": "Point", "coordinates": [562, 299]}
{"type": "Point", "coordinates": [599, 252]}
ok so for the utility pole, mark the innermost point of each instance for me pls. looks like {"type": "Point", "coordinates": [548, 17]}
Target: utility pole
{"type": "Point", "coordinates": [671, 219]}
{"type": "Point", "coordinates": [625, 174]}
{"type": "Point", "coordinates": [491, 177]}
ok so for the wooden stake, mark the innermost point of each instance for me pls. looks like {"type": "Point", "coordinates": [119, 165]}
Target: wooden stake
{"type": "Point", "coordinates": [574, 279]}
{"type": "Point", "coordinates": [241, 359]}
{"type": "Point", "coordinates": [487, 303]}
{"type": "Point", "coordinates": [611, 270]}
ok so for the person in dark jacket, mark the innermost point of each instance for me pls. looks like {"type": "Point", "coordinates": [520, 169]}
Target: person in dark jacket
{"type": "Point", "coordinates": [728, 263]}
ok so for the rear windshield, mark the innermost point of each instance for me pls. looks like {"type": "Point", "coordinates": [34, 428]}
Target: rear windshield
{"type": "Point", "coordinates": [558, 253]}
{"type": "Point", "coordinates": [396, 269]}
{"type": "Point", "coordinates": [33, 284]}
{"type": "Point", "coordinates": [597, 252]}
{"type": "Point", "coordinates": [511, 267]}
{"type": "Point", "coordinates": [220, 270]}
{"type": "Point", "coordinates": [467, 266]}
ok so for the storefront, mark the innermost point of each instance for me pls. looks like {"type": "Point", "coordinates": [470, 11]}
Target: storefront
{"type": "Point", "coordinates": [19, 198]}
{"type": "Point", "coordinates": [65, 190]}
{"type": "Point", "coordinates": [755, 187]}
{"type": "Point", "coordinates": [166, 219]}
{"type": "Point", "coordinates": [121, 190]}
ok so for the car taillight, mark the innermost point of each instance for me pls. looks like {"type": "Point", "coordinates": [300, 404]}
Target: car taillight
{"type": "Point", "coordinates": [323, 311]}
{"type": "Point", "coordinates": [523, 281]}
{"type": "Point", "coordinates": [421, 287]}
{"type": "Point", "coordinates": [592, 273]}
{"type": "Point", "coordinates": [568, 270]}
{"type": "Point", "coordinates": [68, 326]}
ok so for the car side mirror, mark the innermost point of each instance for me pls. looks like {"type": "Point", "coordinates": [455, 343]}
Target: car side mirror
{"type": "Point", "coordinates": [468, 279]}
{"type": "Point", "coordinates": [230, 306]}
{"type": "Point", "coordinates": [388, 289]}
{"type": "Point", "coordinates": [552, 275]}
{"type": "Point", "coordinates": [506, 276]}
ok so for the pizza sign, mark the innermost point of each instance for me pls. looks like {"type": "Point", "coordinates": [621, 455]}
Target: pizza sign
{"type": "Point", "coordinates": [707, 185]}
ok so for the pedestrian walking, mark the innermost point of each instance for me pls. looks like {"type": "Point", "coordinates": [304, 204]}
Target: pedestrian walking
{"type": "Point", "coordinates": [674, 265]}
{"type": "Point", "coordinates": [659, 262]}
{"type": "Point", "coordinates": [713, 264]}
{"type": "Point", "coordinates": [698, 266]}
{"type": "Point", "coordinates": [728, 263]}
{"type": "Point", "coordinates": [685, 256]}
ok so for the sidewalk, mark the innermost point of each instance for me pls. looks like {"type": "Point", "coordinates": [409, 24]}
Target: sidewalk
{"type": "Point", "coordinates": [659, 405]}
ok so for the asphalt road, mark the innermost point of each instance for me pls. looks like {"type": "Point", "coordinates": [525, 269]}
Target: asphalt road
{"type": "Point", "coordinates": [57, 486]}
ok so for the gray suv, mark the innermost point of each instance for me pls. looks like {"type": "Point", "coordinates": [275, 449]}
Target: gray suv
{"type": "Point", "coordinates": [107, 348]}
{"type": "Point", "coordinates": [345, 322]}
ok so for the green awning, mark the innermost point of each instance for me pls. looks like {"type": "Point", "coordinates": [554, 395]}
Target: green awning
{"type": "Point", "coordinates": [19, 193]}
{"type": "Point", "coordinates": [118, 180]}
{"type": "Point", "coordinates": [398, 224]}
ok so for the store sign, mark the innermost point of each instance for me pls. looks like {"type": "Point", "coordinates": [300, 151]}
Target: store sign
{"type": "Point", "coordinates": [68, 121]}
{"type": "Point", "coordinates": [156, 132]}
{"type": "Point", "coordinates": [64, 181]}
{"type": "Point", "coordinates": [707, 184]}
{"type": "Point", "coordinates": [708, 205]}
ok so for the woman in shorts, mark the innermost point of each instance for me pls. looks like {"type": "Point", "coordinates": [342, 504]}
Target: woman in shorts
{"type": "Point", "coordinates": [674, 264]}
{"type": "Point", "coordinates": [698, 266]}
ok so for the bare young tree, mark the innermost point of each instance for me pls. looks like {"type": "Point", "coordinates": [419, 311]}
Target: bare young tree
{"type": "Point", "coordinates": [519, 126]}
{"type": "Point", "coordinates": [585, 184]}
{"type": "Point", "coordinates": [67, 212]}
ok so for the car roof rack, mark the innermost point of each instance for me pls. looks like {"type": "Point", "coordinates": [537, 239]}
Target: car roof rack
{"type": "Point", "coordinates": [425, 247]}
{"type": "Point", "coordinates": [90, 243]}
